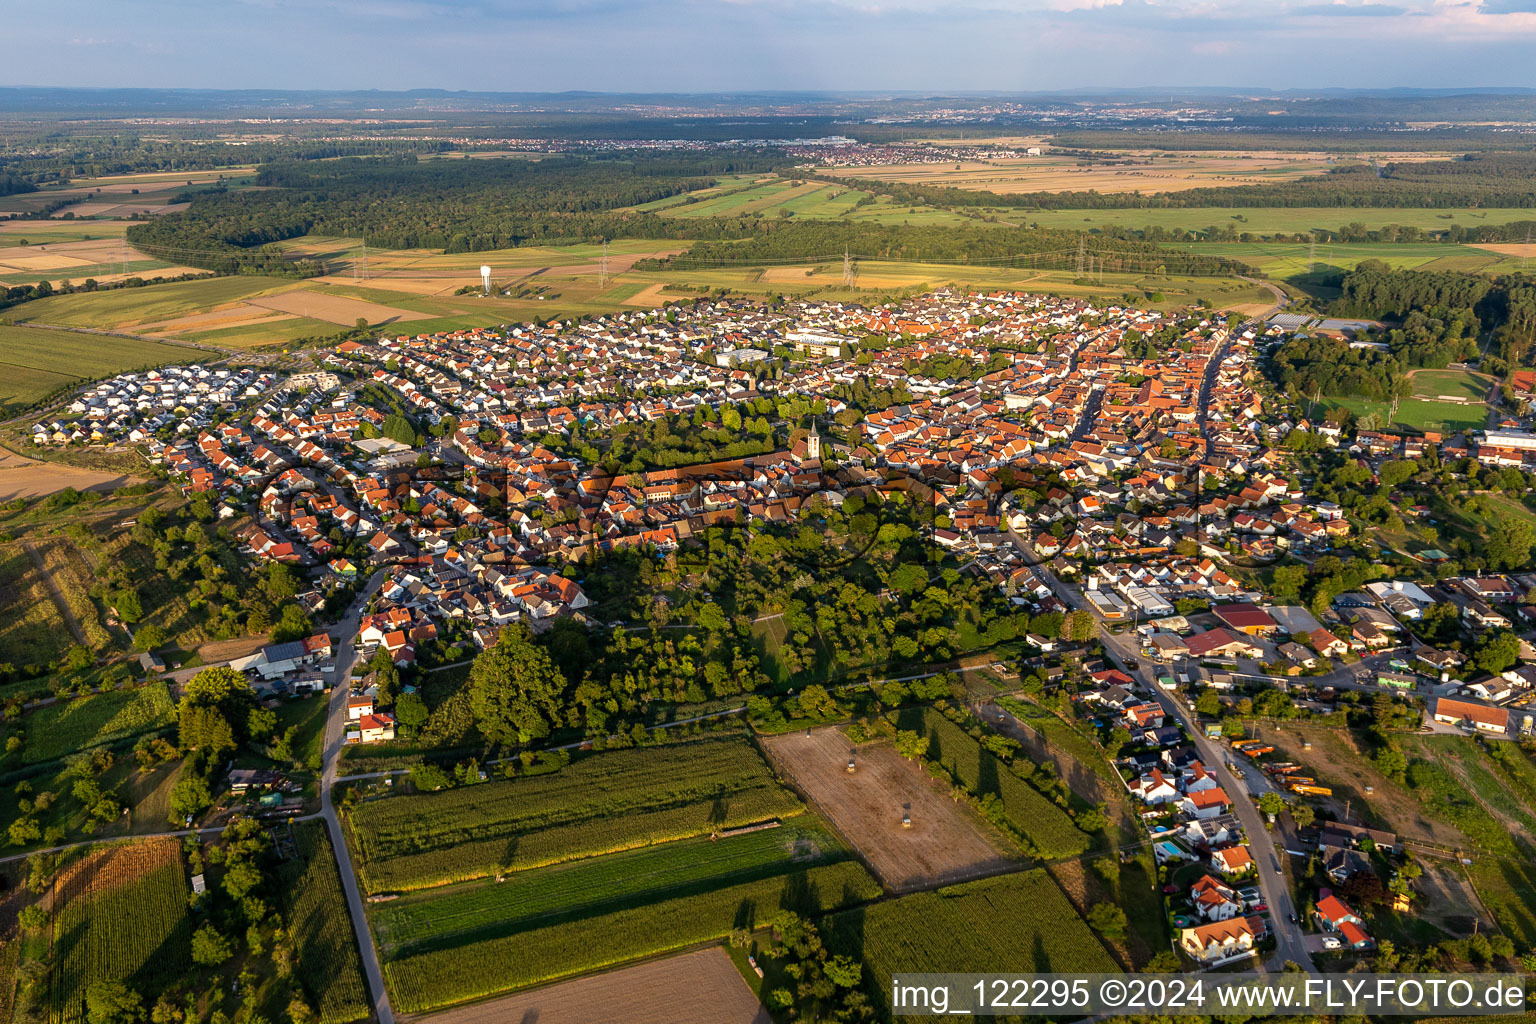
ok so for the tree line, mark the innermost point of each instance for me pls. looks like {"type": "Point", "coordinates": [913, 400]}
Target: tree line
{"type": "Point", "coordinates": [454, 206]}
{"type": "Point", "coordinates": [1020, 247]}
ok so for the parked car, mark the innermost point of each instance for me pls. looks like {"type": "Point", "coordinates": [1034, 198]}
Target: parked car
{"type": "Point", "coordinates": [1329, 942]}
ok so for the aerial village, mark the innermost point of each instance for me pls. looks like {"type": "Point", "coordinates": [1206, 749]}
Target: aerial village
{"type": "Point", "coordinates": [1152, 468]}
{"type": "Point", "coordinates": [1145, 474]}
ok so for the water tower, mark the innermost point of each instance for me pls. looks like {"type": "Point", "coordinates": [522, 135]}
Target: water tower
{"type": "Point", "coordinates": [485, 278]}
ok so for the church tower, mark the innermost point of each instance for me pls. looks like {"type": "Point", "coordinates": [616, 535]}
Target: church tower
{"type": "Point", "coordinates": [813, 444]}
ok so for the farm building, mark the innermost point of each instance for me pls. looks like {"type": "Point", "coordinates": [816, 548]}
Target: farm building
{"type": "Point", "coordinates": [1466, 713]}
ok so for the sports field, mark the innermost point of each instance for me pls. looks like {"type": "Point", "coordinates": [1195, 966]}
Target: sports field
{"type": "Point", "coordinates": [1412, 413]}
{"type": "Point", "coordinates": [1458, 384]}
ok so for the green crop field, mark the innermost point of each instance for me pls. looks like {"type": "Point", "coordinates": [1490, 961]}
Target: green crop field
{"type": "Point", "coordinates": [316, 911]}
{"type": "Point", "coordinates": [124, 917]}
{"type": "Point", "coordinates": [1288, 260]}
{"type": "Point", "coordinates": [474, 911]}
{"type": "Point", "coordinates": [1452, 383]}
{"type": "Point", "coordinates": [1043, 824]}
{"type": "Point", "coordinates": [71, 725]}
{"type": "Point", "coordinates": [599, 804]}
{"type": "Point", "coordinates": [123, 307]}
{"type": "Point", "coordinates": [1020, 922]}
{"type": "Point", "coordinates": [35, 362]}
{"type": "Point", "coordinates": [1274, 220]}
{"type": "Point", "coordinates": [604, 938]}
{"type": "Point", "coordinates": [45, 232]}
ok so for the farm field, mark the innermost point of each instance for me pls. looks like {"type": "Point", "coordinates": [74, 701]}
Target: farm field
{"type": "Point", "coordinates": [32, 631]}
{"type": "Point", "coordinates": [1292, 260]}
{"type": "Point", "coordinates": [129, 307]}
{"type": "Point", "coordinates": [548, 952]}
{"type": "Point", "coordinates": [36, 362]}
{"type": "Point", "coordinates": [33, 232]}
{"type": "Point", "coordinates": [598, 804]}
{"type": "Point", "coordinates": [699, 986]}
{"type": "Point", "coordinates": [946, 841]}
{"type": "Point", "coordinates": [124, 195]}
{"type": "Point", "coordinates": [1136, 172]}
{"type": "Point", "coordinates": [1277, 220]}
{"type": "Point", "coordinates": [119, 912]}
{"type": "Point", "coordinates": [1020, 922]}
{"type": "Point", "coordinates": [812, 200]}
{"type": "Point", "coordinates": [68, 726]}
{"type": "Point", "coordinates": [329, 966]}
{"type": "Point", "coordinates": [57, 257]}
{"type": "Point", "coordinates": [1044, 825]}
{"type": "Point", "coordinates": [459, 914]}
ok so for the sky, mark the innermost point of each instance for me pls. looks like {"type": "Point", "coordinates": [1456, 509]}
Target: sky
{"type": "Point", "coordinates": [727, 45]}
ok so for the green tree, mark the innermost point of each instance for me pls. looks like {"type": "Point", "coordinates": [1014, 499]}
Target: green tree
{"type": "Point", "coordinates": [112, 1002]}
{"type": "Point", "coordinates": [1108, 920]}
{"type": "Point", "coordinates": [1497, 652]}
{"type": "Point", "coordinates": [1271, 803]}
{"type": "Point", "coordinates": [515, 689]}
{"type": "Point", "coordinates": [210, 947]}
{"type": "Point", "coordinates": [910, 745]}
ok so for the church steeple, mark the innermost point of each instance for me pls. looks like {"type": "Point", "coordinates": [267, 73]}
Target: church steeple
{"type": "Point", "coordinates": [813, 443]}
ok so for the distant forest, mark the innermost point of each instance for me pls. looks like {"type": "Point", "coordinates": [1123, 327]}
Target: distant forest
{"type": "Point", "coordinates": [480, 205]}
{"type": "Point", "coordinates": [453, 205]}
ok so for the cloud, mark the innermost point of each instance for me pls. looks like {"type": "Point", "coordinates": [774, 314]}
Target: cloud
{"type": "Point", "coordinates": [1343, 10]}
{"type": "Point", "coordinates": [1507, 7]}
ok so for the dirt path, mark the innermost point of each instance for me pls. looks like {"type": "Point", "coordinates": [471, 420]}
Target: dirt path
{"type": "Point", "coordinates": [58, 595]}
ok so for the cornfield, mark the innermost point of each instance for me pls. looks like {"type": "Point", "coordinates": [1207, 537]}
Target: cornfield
{"type": "Point", "coordinates": [603, 803]}
{"type": "Point", "coordinates": [119, 913]}
{"type": "Point", "coordinates": [1019, 922]}
{"type": "Point", "coordinates": [539, 954]}
{"type": "Point", "coordinates": [316, 910]}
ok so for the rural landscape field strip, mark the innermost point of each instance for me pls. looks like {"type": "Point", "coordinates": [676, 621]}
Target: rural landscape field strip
{"type": "Point", "coordinates": [1047, 827]}
{"type": "Point", "coordinates": [444, 977]}
{"type": "Point", "coordinates": [456, 914]}
{"type": "Point", "coordinates": [70, 725]}
{"type": "Point", "coordinates": [1020, 922]}
{"type": "Point", "coordinates": [123, 914]}
{"type": "Point", "coordinates": [328, 962]}
{"type": "Point", "coordinates": [598, 804]}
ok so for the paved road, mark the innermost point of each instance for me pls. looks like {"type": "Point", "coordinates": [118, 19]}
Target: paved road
{"type": "Point", "coordinates": [1290, 943]}
{"type": "Point", "coordinates": [335, 741]}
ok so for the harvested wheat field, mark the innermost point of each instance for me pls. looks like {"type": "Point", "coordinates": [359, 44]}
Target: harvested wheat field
{"type": "Point", "coordinates": [21, 477]}
{"type": "Point", "coordinates": [945, 842]}
{"type": "Point", "coordinates": [337, 309]}
{"type": "Point", "coordinates": [650, 295]}
{"type": "Point", "coordinates": [1524, 250]}
{"type": "Point", "coordinates": [699, 986]}
{"type": "Point", "coordinates": [1123, 172]}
